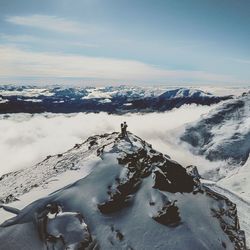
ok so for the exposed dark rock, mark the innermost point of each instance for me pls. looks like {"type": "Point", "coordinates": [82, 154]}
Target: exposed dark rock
{"type": "Point", "coordinates": [10, 198]}
{"type": "Point", "coordinates": [228, 218]}
{"type": "Point", "coordinates": [168, 215]}
{"type": "Point", "coordinates": [92, 143]}
{"type": "Point", "coordinates": [122, 196]}
{"type": "Point", "coordinates": [172, 177]}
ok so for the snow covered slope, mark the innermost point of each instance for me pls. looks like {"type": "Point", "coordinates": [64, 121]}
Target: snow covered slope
{"type": "Point", "coordinates": [238, 181]}
{"type": "Point", "coordinates": [223, 134]}
{"type": "Point", "coordinates": [125, 195]}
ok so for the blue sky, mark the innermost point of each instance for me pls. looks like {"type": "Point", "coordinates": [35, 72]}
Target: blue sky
{"type": "Point", "coordinates": [119, 42]}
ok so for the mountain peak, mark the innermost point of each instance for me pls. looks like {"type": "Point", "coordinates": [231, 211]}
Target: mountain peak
{"type": "Point", "coordinates": [131, 190]}
{"type": "Point", "coordinates": [185, 92]}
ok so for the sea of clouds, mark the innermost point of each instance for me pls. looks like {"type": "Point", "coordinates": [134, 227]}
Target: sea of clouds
{"type": "Point", "coordinates": [27, 139]}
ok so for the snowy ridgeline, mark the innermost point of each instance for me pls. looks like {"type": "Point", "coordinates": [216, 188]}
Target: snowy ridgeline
{"type": "Point", "coordinates": [119, 194]}
{"type": "Point", "coordinates": [223, 134]}
{"type": "Point", "coordinates": [122, 99]}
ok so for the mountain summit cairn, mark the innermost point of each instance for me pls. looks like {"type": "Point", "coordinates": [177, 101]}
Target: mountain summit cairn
{"type": "Point", "coordinates": [132, 197]}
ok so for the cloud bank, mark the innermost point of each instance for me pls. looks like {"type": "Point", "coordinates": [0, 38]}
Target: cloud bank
{"type": "Point", "coordinates": [27, 139]}
{"type": "Point", "coordinates": [17, 62]}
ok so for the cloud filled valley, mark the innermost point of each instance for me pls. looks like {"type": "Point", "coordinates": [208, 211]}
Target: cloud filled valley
{"type": "Point", "coordinates": [27, 139]}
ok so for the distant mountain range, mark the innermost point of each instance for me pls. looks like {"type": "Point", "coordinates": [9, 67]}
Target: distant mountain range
{"type": "Point", "coordinates": [122, 99]}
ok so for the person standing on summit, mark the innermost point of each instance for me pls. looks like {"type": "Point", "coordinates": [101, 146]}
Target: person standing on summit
{"type": "Point", "coordinates": [122, 130]}
{"type": "Point", "coordinates": [125, 128]}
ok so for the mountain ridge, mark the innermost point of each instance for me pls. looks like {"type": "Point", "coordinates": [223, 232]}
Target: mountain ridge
{"type": "Point", "coordinates": [223, 134]}
{"type": "Point", "coordinates": [115, 100]}
{"type": "Point", "coordinates": [131, 190]}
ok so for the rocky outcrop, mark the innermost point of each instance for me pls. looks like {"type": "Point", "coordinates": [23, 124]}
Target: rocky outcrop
{"type": "Point", "coordinates": [168, 215]}
{"type": "Point", "coordinates": [226, 213]}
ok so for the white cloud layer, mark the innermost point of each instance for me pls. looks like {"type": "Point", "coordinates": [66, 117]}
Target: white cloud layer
{"type": "Point", "coordinates": [16, 62]}
{"type": "Point", "coordinates": [26, 140]}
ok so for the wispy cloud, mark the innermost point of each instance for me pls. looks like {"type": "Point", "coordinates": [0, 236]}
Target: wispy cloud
{"type": "Point", "coordinates": [18, 38]}
{"type": "Point", "coordinates": [27, 39]}
{"type": "Point", "coordinates": [244, 61]}
{"type": "Point", "coordinates": [51, 23]}
{"type": "Point", "coordinates": [15, 62]}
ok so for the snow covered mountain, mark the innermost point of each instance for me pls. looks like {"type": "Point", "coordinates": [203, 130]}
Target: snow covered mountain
{"type": "Point", "coordinates": [184, 92]}
{"type": "Point", "coordinates": [238, 181]}
{"type": "Point", "coordinates": [224, 133]}
{"type": "Point", "coordinates": [120, 99]}
{"type": "Point", "coordinates": [115, 193]}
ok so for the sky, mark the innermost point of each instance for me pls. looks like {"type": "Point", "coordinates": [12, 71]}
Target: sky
{"type": "Point", "coordinates": [125, 42]}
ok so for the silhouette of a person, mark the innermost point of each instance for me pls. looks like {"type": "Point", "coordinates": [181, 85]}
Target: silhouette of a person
{"type": "Point", "coordinates": [122, 130]}
{"type": "Point", "coordinates": [125, 128]}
